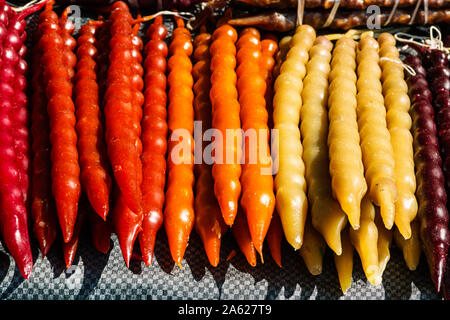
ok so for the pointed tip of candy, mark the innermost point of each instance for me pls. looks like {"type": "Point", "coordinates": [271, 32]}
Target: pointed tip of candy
{"type": "Point", "coordinates": [437, 264]}
{"type": "Point", "coordinates": [277, 259]}
{"type": "Point", "coordinates": [127, 252]}
{"type": "Point", "coordinates": [296, 243]}
{"type": "Point", "coordinates": [405, 230]}
{"type": "Point", "coordinates": [259, 248]}
{"type": "Point", "coordinates": [27, 270]}
{"type": "Point", "coordinates": [68, 259]}
{"type": "Point", "coordinates": [353, 211]}
{"type": "Point", "coordinates": [354, 221]}
{"type": "Point", "coordinates": [411, 266]}
{"type": "Point", "coordinates": [251, 257]}
{"type": "Point", "coordinates": [103, 215]}
{"type": "Point", "coordinates": [437, 280]}
{"type": "Point", "coordinates": [251, 261]}
{"type": "Point", "coordinates": [100, 203]}
{"type": "Point", "coordinates": [127, 264]}
{"type": "Point", "coordinates": [147, 258]}
{"type": "Point", "coordinates": [388, 224]}
{"type": "Point", "coordinates": [25, 266]}
{"type": "Point", "coordinates": [23, 259]}
{"type": "Point", "coordinates": [262, 258]}
{"type": "Point", "coordinates": [387, 209]}
{"type": "Point", "coordinates": [229, 211]}
{"type": "Point", "coordinates": [337, 250]}
{"type": "Point", "coordinates": [345, 287]}
{"type": "Point", "coordinates": [127, 239]}
{"type": "Point", "coordinates": [212, 246]}
{"type": "Point", "coordinates": [67, 236]}
{"type": "Point", "coordinates": [229, 220]}
{"type": "Point", "coordinates": [335, 243]}
{"type": "Point", "coordinates": [315, 270]}
{"type": "Point", "coordinates": [177, 251]}
{"type": "Point", "coordinates": [213, 258]}
{"type": "Point", "coordinates": [437, 284]}
{"type": "Point", "coordinates": [373, 275]}
{"type": "Point", "coordinates": [44, 249]}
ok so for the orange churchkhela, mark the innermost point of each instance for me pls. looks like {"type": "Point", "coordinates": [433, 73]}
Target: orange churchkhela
{"type": "Point", "coordinates": [209, 222]}
{"type": "Point", "coordinates": [269, 50]}
{"type": "Point", "coordinates": [179, 209]}
{"type": "Point", "coordinates": [226, 119]}
{"type": "Point", "coordinates": [258, 200]}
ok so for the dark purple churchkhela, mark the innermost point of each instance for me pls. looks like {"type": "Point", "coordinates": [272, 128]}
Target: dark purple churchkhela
{"type": "Point", "coordinates": [439, 79]}
{"type": "Point", "coordinates": [431, 193]}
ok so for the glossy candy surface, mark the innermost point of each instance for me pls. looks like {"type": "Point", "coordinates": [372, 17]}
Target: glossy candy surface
{"type": "Point", "coordinates": [290, 183]}
{"type": "Point", "coordinates": [326, 214]}
{"type": "Point", "coordinates": [346, 167]}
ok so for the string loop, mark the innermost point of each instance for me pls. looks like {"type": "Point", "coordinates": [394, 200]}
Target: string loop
{"type": "Point", "coordinates": [408, 68]}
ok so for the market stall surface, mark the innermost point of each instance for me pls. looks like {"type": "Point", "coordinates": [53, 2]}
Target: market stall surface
{"type": "Point", "coordinates": [95, 276]}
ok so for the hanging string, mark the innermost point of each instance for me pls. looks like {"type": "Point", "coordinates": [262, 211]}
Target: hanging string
{"type": "Point", "coordinates": [431, 42]}
{"type": "Point", "coordinates": [435, 42]}
{"type": "Point", "coordinates": [332, 14]}
{"type": "Point", "coordinates": [300, 12]}
{"type": "Point", "coordinates": [416, 9]}
{"type": "Point", "coordinates": [409, 38]}
{"type": "Point", "coordinates": [408, 68]}
{"type": "Point", "coordinates": [391, 15]}
{"type": "Point", "coordinates": [425, 11]}
{"type": "Point", "coordinates": [29, 4]}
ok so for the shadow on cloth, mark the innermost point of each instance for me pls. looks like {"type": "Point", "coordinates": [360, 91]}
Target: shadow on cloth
{"type": "Point", "coordinates": [198, 262]}
{"type": "Point", "coordinates": [94, 263]}
{"type": "Point", "coordinates": [292, 281]}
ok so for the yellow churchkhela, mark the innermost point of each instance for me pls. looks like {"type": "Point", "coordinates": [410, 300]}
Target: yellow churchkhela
{"type": "Point", "coordinates": [365, 241]}
{"type": "Point", "coordinates": [290, 184]}
{"type": "Point", "coordinates": [411, 248]}
{"type": "Point", "coordinates": [313, 249]}
{"type": "Point", "coordinates": [377, 152]}
{"type": "Point", "coordinates": [326, 214]}
{"type": "Point", "coordinates": [344, 262]}
{"type": "Point", "coordinates": [346, 168]}
{"type": "Point", "coordinates": [397, 103]}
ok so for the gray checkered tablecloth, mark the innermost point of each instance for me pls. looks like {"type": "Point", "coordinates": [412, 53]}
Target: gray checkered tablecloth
{"type": "Point", "coordinates": [95, 276]}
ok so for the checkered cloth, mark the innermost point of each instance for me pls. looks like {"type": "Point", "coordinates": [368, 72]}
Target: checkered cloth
{"type": "Point", "coordinates": [96, 276]}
